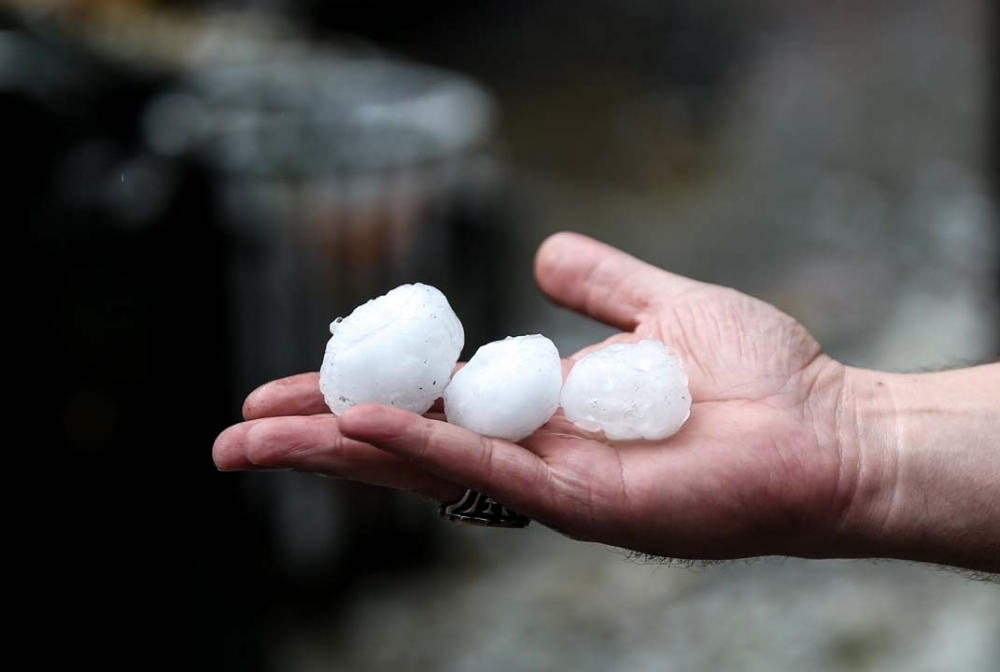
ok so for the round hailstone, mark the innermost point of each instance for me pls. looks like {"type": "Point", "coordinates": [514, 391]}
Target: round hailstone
{"type": "Point", "coordinates": [398, 350]}
{"type": "Point", "coordinates": [508, 389]}
{"type": "Point", "coordinates": [628, 390]}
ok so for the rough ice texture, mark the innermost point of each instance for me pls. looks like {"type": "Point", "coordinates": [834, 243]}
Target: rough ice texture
{"type": "Point", "coordinates": [628, 390]}
{"type": "Point", "coordinates": [398, 349]}
{"type": "Point", "coordinates": [508, 389]}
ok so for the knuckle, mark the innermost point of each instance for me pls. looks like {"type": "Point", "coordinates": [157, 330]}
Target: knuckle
{"type": "Point", "coordinates": [486, 466]}
{"type": "Point", "coordinates": [269, 444]}
{"type": "Point", "coordinates": [426, 439]}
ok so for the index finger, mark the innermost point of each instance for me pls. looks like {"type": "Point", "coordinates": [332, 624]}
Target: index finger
{"type": "Point", "coordinates": [296, 395]}
{"type": "Point", "coordinates": [505, 471]}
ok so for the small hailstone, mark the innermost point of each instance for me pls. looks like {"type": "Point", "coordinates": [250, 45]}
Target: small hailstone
{"type": "Point", "coordinates": [508, 389]}
{"type": "Point", "coordinates": [398, 349]}
{"type": "Point", "coordinates": [628, 390]}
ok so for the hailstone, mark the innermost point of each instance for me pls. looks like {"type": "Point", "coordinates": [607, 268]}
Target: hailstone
{"type": "Point", "coordinates": [398, 349]}
{"type": "Point", "coordinates": [508, 389]}
{"type": "Point", "coordinates": [628, 390]}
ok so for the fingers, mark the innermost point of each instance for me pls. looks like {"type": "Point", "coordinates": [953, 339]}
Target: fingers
{"type": "Point", "coordinates": [598, 280]}
{"type": "Point", "coordinates": [505, 471]}
{"type": "Point", "coordinates": [294, 395]}
{"type": "Point", "coordinates": [315, 444]}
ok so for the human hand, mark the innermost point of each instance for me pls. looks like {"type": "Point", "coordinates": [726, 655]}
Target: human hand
{"type": "Point", "coordinates": [770, 461]}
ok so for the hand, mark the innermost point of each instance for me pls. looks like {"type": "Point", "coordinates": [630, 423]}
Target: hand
{"type": "Point", "coordinates": [769, 462]}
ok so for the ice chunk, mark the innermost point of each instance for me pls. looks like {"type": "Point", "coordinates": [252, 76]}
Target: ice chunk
{"type": "Point", "coordinates": [398, 349]}
{"type": "Point", "coordinates": [508, 389]}
{"type": "Point", "coordinates": [629, 390]}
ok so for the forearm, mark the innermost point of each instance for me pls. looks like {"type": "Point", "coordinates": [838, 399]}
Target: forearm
{"type": "Point", "coordinates": [926, 478]}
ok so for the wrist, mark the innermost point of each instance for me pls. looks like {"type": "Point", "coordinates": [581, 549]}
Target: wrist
{"type": "Point", "coordinates": [922, 466]}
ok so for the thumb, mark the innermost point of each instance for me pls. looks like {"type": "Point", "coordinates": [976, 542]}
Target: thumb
{"type": "Point", "coordinates": [603, 282]}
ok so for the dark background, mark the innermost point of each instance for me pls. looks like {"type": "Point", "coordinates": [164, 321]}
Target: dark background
{"type": "Point", "coordinates": [202, 187]}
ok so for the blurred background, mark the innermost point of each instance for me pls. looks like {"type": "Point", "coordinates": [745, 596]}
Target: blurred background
{"type": "Point", "coordinates": [205, 185]}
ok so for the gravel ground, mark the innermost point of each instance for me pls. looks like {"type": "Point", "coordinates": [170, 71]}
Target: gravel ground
{"type": "Point", "coordinates": [533, 600]}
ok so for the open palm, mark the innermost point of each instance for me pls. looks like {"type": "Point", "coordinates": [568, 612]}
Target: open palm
{"type": "Point", "coordinates": [757, 469]}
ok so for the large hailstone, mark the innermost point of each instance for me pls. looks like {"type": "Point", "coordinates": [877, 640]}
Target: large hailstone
{"type": "Point", "coordinates": [628, 390]}
{"type": "Point", "coordinates": [508, 389]}
{"type": "Point", "coordinates": [398, 350]}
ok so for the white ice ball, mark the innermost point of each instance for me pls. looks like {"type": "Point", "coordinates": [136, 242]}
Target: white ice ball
{"type": "Point", "coordinates": [508, 389]}
{"type": "Point", "coordinates": [398, 350]}
{"type": "Point", "coordinates": [628, 390]}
